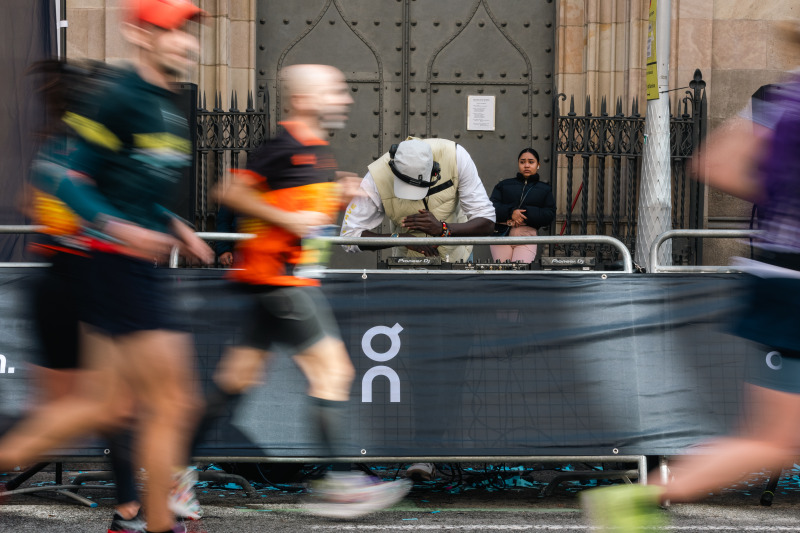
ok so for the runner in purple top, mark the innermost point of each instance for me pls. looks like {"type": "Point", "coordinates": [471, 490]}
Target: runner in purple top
{"type": "Point", "coordinates": [755, 156]}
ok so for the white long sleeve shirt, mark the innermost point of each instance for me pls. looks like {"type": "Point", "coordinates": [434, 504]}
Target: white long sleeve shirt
{"type": "Point", "coordinates": [366, 213]}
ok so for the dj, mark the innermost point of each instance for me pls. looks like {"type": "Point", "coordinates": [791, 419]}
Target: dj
{"type": "Point", "coordinates": [425, 187]}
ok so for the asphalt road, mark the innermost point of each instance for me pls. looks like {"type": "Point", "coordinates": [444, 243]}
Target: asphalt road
{"type": "Point", "coordinates": [479, 500]}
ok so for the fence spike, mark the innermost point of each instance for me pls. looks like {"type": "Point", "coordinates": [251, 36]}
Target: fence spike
{"type": "Point", "coordinates": [572, 105]}
{"type": "Point", "coordinates": [588, 106]}
{"type": "Point", "coordinates": [235, 100]}
{"type": "Point", "coordinates": [204, 101]}
{"type": "Point", "coordinates": [603, 106]}
{"type": "Point", "coordinates": [250, 108]}
{"type": "Point", "coordinates": [619, 105]}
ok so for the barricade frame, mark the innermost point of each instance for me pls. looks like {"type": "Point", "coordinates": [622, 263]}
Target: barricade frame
{"type": "Point", "coordinates": [696, 233]}
{"type": "Point", "coordinates": [627, 263]}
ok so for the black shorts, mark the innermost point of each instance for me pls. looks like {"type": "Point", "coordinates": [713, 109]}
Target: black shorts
{"type": "Point", "coordinates": [126, 295]}
{"type": "Point", "coordinates": [56, 308]}
{"type": "Point", "coordinates": [293, 317]}
{"type": "Point", "coordinates": [771, 308]}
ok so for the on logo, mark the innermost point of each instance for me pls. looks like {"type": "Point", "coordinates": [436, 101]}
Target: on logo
{"type": "Point", "coordinates": [774, 360]}
{"type": "Point", "coordinates": [366, 346]}
{"type": "Point", "coordinates": [3, 366]}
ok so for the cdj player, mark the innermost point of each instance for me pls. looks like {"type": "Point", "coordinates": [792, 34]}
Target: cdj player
{"type": "Point", "coordinates": [436, 263]}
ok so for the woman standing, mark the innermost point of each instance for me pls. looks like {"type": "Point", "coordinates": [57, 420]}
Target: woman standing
{"type": "Point", "coordinates": [523, 204]}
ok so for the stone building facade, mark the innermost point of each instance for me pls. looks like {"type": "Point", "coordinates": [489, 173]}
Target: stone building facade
{"type": "Point", "coordinates": [600, 52]}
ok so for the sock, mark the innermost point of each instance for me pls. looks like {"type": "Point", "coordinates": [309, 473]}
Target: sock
{"type": "Point", "coordinates": [329, 420]}
{"type": "Point", "coordinates": [219, 405]}
{"type": "Point", "coordinates": [120, 444]}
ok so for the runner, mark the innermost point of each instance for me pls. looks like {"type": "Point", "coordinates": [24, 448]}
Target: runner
{"type": "Point", "coordinates": [755, 156]}
{"type": "Point", "coordinates": [128, 158]}
{"type": "Point", "coordinates": [296, 172]}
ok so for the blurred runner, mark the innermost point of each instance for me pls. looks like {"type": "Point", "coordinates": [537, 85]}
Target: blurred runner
{"type": "Point", "coordinates": [128, 158]}
{"type": "Point", "coordinates": [289, 191]}
{"type": "Point", "coordinates": [755, 156]}
{"type": "Point", "coordinates": [68, 87]}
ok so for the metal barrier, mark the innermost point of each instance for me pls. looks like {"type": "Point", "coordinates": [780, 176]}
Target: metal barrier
{"type": "Point", "coordinates": [627, 262]}
{"type": "Point", "coordinates": [20, 229]}
{"type": "Point", "coordinates": [711, 233]}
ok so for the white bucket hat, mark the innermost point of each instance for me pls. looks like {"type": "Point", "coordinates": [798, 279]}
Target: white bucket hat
{"type": "Point", "coordinates": [413, 159]}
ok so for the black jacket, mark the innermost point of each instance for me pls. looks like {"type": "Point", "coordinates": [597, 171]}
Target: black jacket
{"type": "Point", "coordinates": [532, 195]}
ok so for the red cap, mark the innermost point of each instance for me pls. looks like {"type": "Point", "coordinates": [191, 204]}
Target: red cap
{"type": "Point", "coordinates": [167, 14]}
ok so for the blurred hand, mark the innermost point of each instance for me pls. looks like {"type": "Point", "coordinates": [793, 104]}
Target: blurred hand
{"type": "Point", "coordinates": [301, 223]}
{"type": "Point", "coordinates": [192, 246]}
{"type": "Point", "coordinates": [349, 186]}
{"type": "Point", "coordinates": [140, 242]}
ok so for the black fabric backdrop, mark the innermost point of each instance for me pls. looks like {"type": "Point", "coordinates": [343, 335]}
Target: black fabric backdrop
{"type": "Point", "coordinates": [484, 365]}
{"type": "Point", "coordinates": [27, 35]}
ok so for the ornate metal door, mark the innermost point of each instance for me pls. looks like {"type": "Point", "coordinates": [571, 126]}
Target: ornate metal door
{"type": "Point", "coordinates": [412, 64]}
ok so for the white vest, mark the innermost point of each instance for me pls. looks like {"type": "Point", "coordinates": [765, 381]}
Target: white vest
{"type": "Point", "coordinates": [443, 203]}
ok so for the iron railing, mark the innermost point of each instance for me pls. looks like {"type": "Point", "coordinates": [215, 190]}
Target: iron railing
{"type": "Point", "coordinates": [222, 136]}
{"type": "Point", "coordinates": [605, 185]}
{"type": "Point", "coordinates": [605, 192]}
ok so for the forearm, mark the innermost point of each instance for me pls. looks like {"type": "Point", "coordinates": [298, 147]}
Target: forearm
{"type": "Point", "coordinates": [366, 233]}
{"type": "Point", "coordinates": [85, 200]}
{"type": "Point", "coordinates": [729, 159]}
{"type": "Point", "coordinates": [242, 200]}
{"type": "Point", "coordinates": [473, 228]}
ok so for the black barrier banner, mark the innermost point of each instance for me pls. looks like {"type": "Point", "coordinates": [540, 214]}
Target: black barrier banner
{"type": "Point", "coordinates": [475, 364]}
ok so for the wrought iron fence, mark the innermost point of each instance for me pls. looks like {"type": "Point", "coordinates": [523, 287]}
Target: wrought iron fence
{"type": "Point", "coordinates": [222, 136]}
{"type": "Point", "coordinates": [606, 182]}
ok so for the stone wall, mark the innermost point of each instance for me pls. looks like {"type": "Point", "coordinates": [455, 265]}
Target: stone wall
{"type": "Point", "coordinates": [601, 44]}
{"type": "Point", "coordinates": [600, 48]}
{"type": "Point", "coordinates": [227, 43]}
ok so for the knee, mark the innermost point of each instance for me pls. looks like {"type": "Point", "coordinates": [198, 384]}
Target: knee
{"type": "Point", "coordinates": [340, 367]}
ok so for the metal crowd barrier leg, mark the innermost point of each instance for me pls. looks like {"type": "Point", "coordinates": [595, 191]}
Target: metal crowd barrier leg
{"type": "Point", "coordinates": [207, 475]}
{"type": "Point", "coordinates": [624, 475]}
{"type": "Point", "coordinates": [223, 477]}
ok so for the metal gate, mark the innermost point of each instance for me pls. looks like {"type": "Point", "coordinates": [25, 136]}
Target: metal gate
{"type": "Point", "coordinates": [411, 65]}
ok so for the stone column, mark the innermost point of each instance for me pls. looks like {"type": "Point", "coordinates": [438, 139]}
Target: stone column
{"type": "Point", "coordinates": [227, 43]}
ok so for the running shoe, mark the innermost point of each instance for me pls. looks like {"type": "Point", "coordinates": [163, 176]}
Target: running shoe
{"type": "Point", "coordinates": [183, 500]}
{"type": "Point", "coordinates": [353, 494]}
{"type": "Point", "coordinates": [421, 471]}
{"type": "Point", "coordinates": [629, 508]}
{"type": "Point", "coordinates": [133, 525]}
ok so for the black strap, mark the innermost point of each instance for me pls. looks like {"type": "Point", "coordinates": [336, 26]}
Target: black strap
{"type": "Point", "coordinates": [439, 188]}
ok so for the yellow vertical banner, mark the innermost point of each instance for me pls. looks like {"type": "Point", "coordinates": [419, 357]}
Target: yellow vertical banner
{"type": "Point", "coordinates": [652, 66]}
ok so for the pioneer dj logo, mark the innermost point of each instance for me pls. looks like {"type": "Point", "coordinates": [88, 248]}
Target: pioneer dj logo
{"type": "Point", "coordinates": [366, 346]}
{"type": "Point", "coordinates": [3, 368]}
